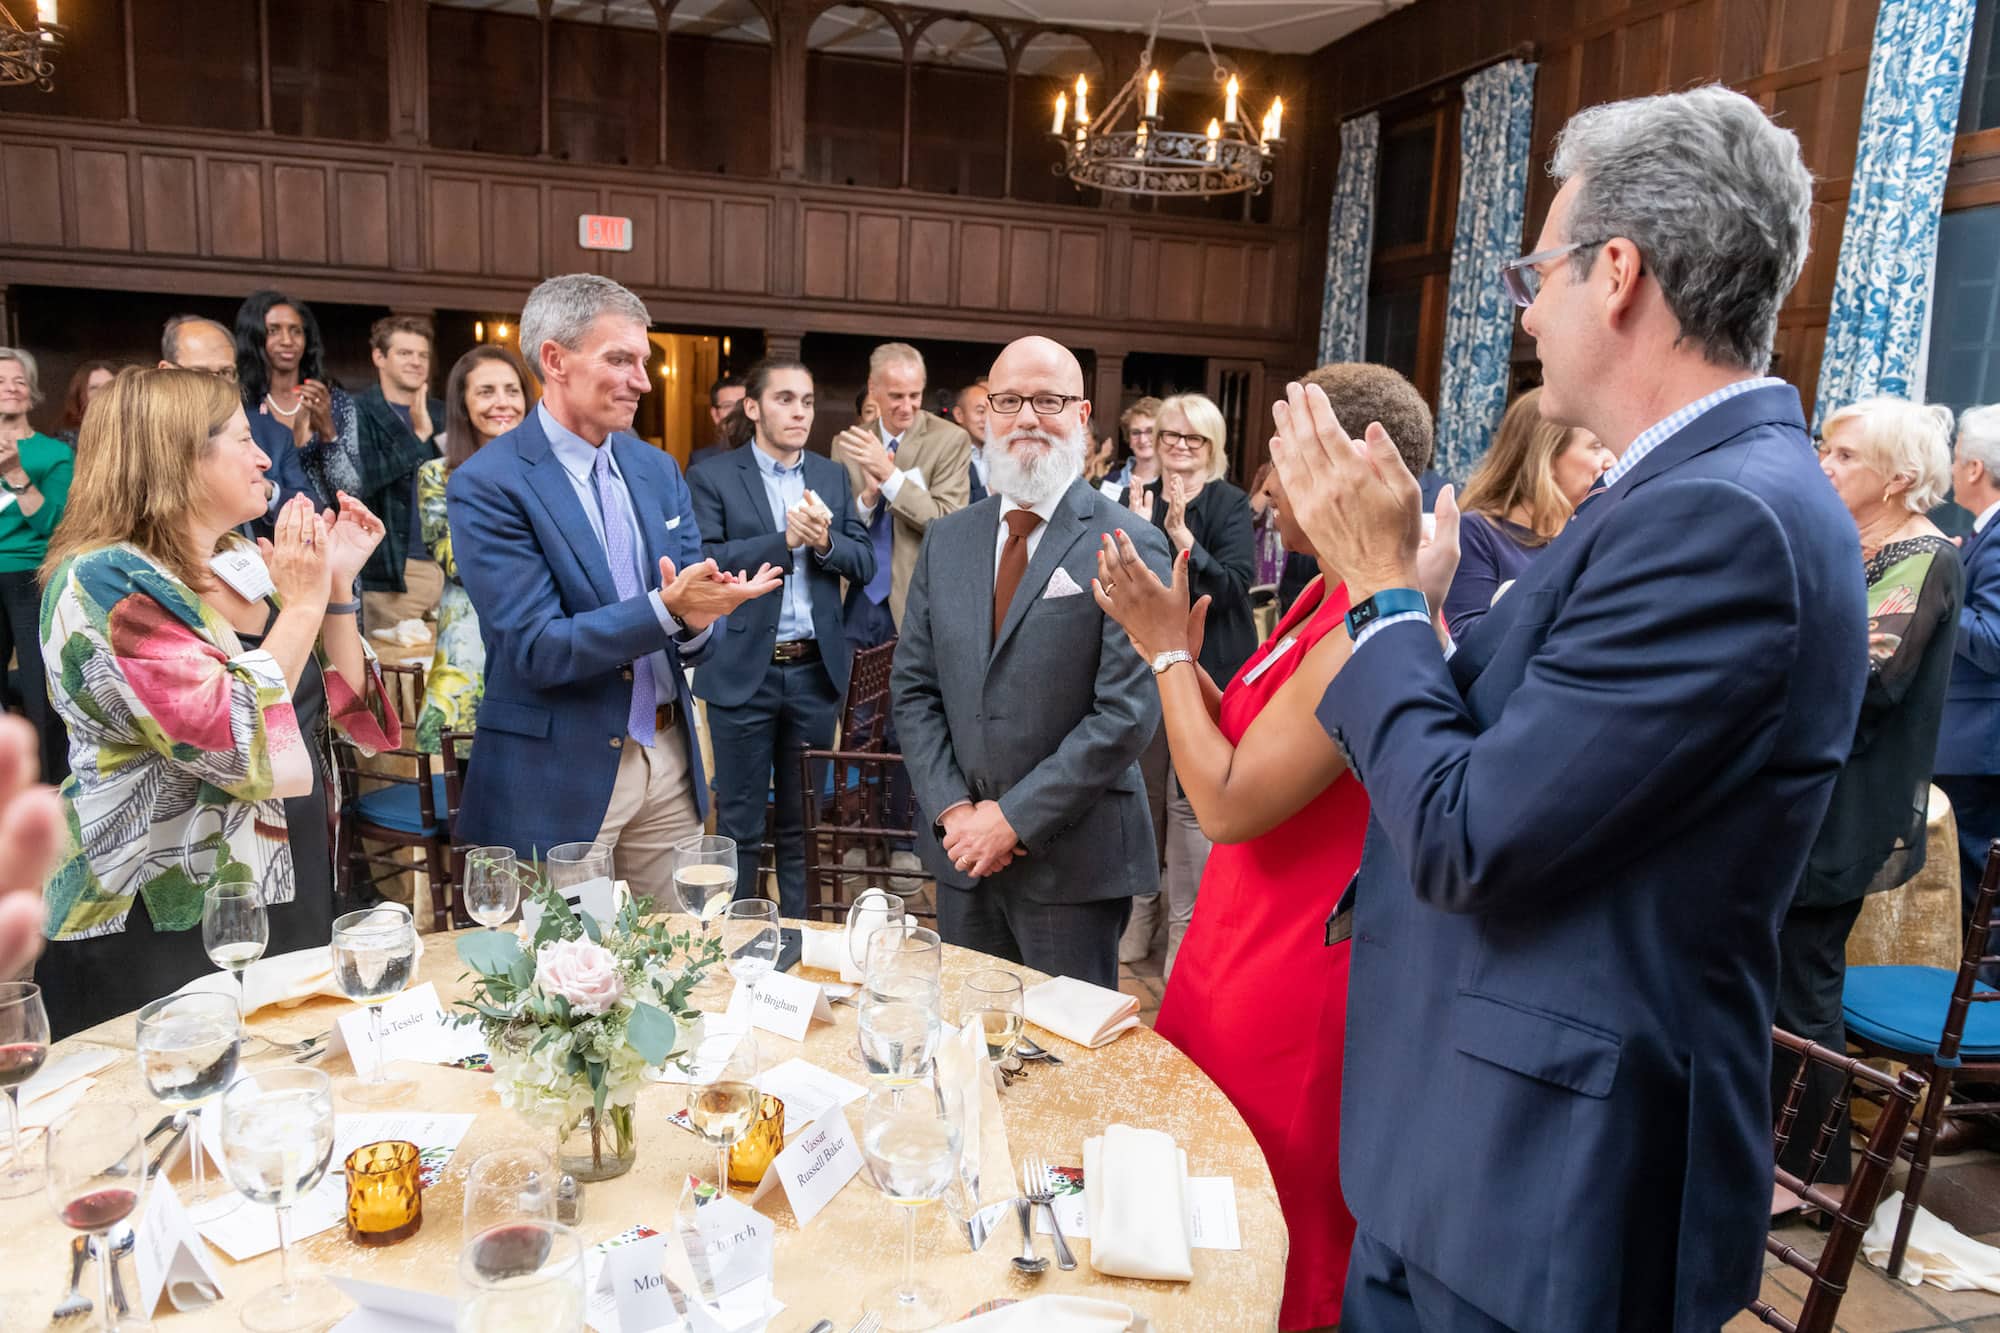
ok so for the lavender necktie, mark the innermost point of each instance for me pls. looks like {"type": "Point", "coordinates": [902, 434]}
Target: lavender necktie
{"type": "Point", "coordinates": [625, 577]}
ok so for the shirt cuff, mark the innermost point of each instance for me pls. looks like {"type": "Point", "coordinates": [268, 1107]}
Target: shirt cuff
{"type": "Point", "coordinates": [672, 626]}
{"type": "Point", "coordinates": [892, 485]}
{"type": "Point", "coordinates": [1375, 627]}
{"type": "Point", "coordinates": [688, 643]}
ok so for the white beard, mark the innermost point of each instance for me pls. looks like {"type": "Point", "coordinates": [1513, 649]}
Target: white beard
{"type": "Point", "coordinates": [1032, 481]}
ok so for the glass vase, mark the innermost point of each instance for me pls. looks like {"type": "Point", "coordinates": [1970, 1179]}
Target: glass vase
{"type": "Point", "coordinates": [599, 1147]}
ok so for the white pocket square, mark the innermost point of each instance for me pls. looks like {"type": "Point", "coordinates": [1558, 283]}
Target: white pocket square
{"type": "Point", "coordinates": [673, 522]}
{"type": "Point", "coordinates": [1061, 585]}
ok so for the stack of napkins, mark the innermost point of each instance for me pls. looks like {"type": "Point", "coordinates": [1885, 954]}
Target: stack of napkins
{"type": "Point", "coordinates": [1057, 1314]}
{"type": "Point", "coordinates": [1135, 1197]}
{"type": "Point", "coordinates": [1085, 1014]}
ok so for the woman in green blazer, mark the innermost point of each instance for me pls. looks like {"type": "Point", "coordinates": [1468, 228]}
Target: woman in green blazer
{"type": "Point", "coordinates": [34, 482]}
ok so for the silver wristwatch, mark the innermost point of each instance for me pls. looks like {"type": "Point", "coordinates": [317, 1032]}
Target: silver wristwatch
{"type": "Point", "coordinates": [1164, 660]}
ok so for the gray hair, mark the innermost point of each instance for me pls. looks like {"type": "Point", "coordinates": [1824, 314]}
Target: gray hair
{"type": "Point", "coordinates": [34, 373]}
{"type": "Point", "coordinates": [1899, 438]}
{"type": "Point", "coordinates": [1979, 437]}
{"type": "Point", "coordinates": [894, 354]}
{"type": "Point", "coordinates": [561, 310]}
{"type": "Point", "coordinates": [1714, 195]}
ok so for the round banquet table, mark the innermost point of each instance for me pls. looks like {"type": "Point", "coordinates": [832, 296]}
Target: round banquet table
{"type": "Point", "coordinates": [852, 1248]}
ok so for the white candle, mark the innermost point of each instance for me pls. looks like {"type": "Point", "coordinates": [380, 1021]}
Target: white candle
{"type": "Point", "coordinates": [1062, 105]}
{"type": "Point", "coordinates": [45, 10]}
{"type": "Point", "coordinates": [1276, 117]}
{"type": "Point", "coordinates": [1214, 137]}
{"type": "Point", "coordinates": [1229, 101]}
{"type": "Point", "coordinates": [1082, 105]}
{"type": "Point", "coordinates": [1153, 93]}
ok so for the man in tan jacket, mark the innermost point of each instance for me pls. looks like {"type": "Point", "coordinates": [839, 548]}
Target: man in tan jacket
{"type": "Point", "coordinates": [906, 470]}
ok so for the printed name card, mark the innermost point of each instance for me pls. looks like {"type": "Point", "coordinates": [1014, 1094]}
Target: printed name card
{"type": "Point", "coordinates": [172, 1258]}
{"type": "Point", "coordinates": [782, 1004]}
{"type": "Point", "coordinates": [737, 1244]}
{"type": "Point", "coordinates": [645, 1301]}
{"type": "Point", "coordinates": [815, 1166]}
{"type": "Point", "coordinates": [414, 1027]}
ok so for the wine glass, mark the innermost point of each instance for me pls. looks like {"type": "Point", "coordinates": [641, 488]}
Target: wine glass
{"type": "Point", "coordinates": [277, 1138]}
{"type": "Point", "coordinates": [871, 910]}
{"type": "Point", "coordinates": [525, 1277]}
{"type": "Point", "coordinates": [188, 1048]}
{"type": "Point", "coordinates": [574, 867]}
{"type": "Point", "coordinates": [992, 998]}
{"type": "Point", "coordinates": [235, 930]}
{"type": "Point", "coordinates": [96, 1165]}
{"type": "Point", "coordinates": [493, 885]}
{"type": "Point", "coordinates": [509, 1187]}
{"type": "Point", "coordinates": [905, 949]}
{"type": "Point", "coordinates": [24, 1045]}
{"type": "Point", "coordinates": [900, 1027]}
{"type": "Point", "coordinates": [722, 1096]}
{"type": "Point", "coordinates": [911, 1140]}
{"type": "Point", "coordinates": [750, 939]}
{"type": "Point", "coordinates": [704, 876]}
{"type": "Point", "coordinates": [374, 952]}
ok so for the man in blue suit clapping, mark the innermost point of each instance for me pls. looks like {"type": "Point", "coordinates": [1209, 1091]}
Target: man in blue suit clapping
{"type": "Point", "coordinates": [578, 545]}
{"type": "Point", "coordinates": [1588, 819]}
{"type": "Point", "coordinates": [775, 683]}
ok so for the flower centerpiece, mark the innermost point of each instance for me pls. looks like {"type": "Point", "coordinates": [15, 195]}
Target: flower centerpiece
{"type": "Point", "coordinates": [573, 1015]}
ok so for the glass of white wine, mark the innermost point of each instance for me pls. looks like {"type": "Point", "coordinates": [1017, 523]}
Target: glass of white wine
{"type": "Point", "coordinates": [522, 1277]}
{"type": "Point", "coordinates": [188, 1048]}
{"type": "Point", "coordinates": [704, 876]}
{"type": "Point", "coordinates": [722, 1096]}
{"type": "Point", "coordinates": [277, 1138]}
{"type": "Point", "coordinates": [993, 999]}
{"type": "Point", "coordinates": [235, 930]}
{"type": "Point", "coordinates": [374, 954]}
{"type": "Point", "coordinates": [911, 1141]}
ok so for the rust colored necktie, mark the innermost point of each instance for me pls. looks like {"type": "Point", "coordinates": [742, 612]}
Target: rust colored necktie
{"type": "Point", "coordinates": [1013, 563]}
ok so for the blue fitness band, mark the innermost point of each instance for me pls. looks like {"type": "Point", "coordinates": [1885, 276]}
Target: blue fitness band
{"type": "Point", "coordinates": [1388, 602]}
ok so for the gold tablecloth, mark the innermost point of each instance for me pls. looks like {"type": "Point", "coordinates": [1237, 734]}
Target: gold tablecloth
{"type": "Point", "coordinates": [1917, 922]}
{"type": "Point", "coordinates": [851, 1248]}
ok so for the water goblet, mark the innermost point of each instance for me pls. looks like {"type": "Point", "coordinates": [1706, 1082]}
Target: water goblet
{"type": "Point", "coordinates": [911, 1141]}
{"type": "Point", "coordinates": [750, 939]}
{"type": "Point", "coordinates": [494, 883]}
{"type": "Point", "coordinates": [374, 953]}
{"type": "Point", "coordinates": [277, 1138]}
{"type": "Point", "coordinates": [899, 1027]}
{"type": "Point", "coordinates": [704, 876]}
{"type": "Point", "coordinates": [188, 1048]}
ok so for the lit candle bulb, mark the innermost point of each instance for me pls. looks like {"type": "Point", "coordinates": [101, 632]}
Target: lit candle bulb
{"type": "Point", "coordinates": [1229, 101]}
{"type": "Point", "coordinates": [1276, 118]}
{"type": "Point", "coordinates": [1062, 107]}
{"type": "Point", "coordinates": [1214, 137]}
{"type": "Point", "coordinates": [45, 11]}
{"type": "Point", "coordinates": [1082, 105]}
{"type": "Point", "coordinates": [1153, 94]}
{"type": "Point", "coordinates": [1139, 142]}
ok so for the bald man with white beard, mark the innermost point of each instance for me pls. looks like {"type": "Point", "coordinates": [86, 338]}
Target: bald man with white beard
{"type": "Point", "coordinates": [1021, 708]}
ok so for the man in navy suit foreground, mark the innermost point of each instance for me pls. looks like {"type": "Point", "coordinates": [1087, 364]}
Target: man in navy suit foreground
{"type": "Point", "coordinates": [1589, 816]}
{"type": "Point", "coordinates": [578, 545]}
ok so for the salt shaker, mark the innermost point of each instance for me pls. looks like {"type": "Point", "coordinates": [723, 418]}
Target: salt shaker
{"type": "Point", "coordinates": [569, 1201]}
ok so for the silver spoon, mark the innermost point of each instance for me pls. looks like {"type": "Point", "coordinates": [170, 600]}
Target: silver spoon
{"type": "Point", "coordinates": [1027, 1261]}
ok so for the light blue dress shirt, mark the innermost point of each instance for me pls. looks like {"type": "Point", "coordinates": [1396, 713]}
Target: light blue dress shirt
{"type": "Point", "coordinates": [785, 487]}
{"type": "Point", "coordinates": [577, 456]}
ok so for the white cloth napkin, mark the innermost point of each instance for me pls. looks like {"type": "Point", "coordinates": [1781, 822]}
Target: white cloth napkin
{"type": "Point", "coordinates": [1057, 1314]}
{"type": "Point", "coordinates": [1939, 1253]}
{"type": "Point", "coordinates": [825, 950]}
{"type": "Point", "coordinates": [1135, 1197]}
{"type": "Point", "coordinates": [287, 979]}
{"type": "Point", "coordinates": [1085, 1014]}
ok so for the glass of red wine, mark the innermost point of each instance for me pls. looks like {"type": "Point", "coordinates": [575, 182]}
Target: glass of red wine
{"type": "Point", "coordinates": [24, 1045]}
{"type": "Point", "coordinates": [96, 1166]}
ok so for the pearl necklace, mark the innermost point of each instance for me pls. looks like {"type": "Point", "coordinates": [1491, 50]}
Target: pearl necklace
{"type": "Point", "coordinates": [297, 407]}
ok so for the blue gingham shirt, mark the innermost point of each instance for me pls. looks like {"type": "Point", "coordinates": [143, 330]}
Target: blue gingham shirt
{"type": "Point", "coordinates": [577, 455]}
{"type": "Point", "coordinates": [785, 487]}
{"type": "Point", "coordinates": [1644, 443]}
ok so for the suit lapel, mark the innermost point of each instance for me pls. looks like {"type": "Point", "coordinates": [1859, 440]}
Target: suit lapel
{"type": "Point", "coordinates": [753, 485]}
{"type": "Point", "coordinates": [645, 505]}
{"type": "Point", "coordinates": [551, 483]}
{"type": "Point", "coordinates": [1066, 525]}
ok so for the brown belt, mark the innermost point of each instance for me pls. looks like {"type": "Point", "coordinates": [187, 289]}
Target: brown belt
{"type": "Point", "coordinates": [798, 650]}
{"type": "Point", "coordinates": [667, 716]}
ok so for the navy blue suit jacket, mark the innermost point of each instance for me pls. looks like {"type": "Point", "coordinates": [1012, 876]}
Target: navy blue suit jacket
{"type": "Point", "coordinates": [739, 534]}
{"type": "Point", "coordinates": [559, 641]}
{"type": "Point", "coordinates": [1586, 828]}
{"type": "Point", "coordinates": [1969, 737]}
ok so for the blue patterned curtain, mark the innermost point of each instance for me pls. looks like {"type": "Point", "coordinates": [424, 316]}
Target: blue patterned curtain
{"type": "Point", "coordinates": [1882, 292]}
{"type": "Point", "coordinates": [1494, 134]}
{"type": "Point", "coordinates": [1350, 237]}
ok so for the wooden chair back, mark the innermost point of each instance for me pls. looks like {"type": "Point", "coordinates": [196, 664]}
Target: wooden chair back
{"type": "Point", "coordinates": [368, 853]}
{"type": "Point", "coordinates": [870, 809]}
{"type": "Point", "coordinates": [864, 719]}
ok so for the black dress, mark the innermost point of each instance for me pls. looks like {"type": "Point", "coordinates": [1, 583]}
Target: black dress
{"type": "Point", "coordinates": [87, 981]}
{"type": "Point", "coordinates": [1221, 565]}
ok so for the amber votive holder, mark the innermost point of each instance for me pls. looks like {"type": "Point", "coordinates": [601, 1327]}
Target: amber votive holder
{"type": "Point", "coordinates": [751, 1156]}
{"type": "Point", "coordinates": [385, 1199]}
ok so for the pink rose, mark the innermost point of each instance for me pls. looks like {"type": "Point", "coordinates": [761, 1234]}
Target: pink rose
{"type": "Point", "coordinates": [583, 973]}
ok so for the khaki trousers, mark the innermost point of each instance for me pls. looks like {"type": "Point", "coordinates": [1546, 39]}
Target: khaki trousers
{"type": "Point", "coordinates": [652, 808]}
{"type": "Point", "coordinates": [423, 585]}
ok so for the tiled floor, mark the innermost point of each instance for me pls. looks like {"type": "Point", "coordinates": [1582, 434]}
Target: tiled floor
{"type": "Point", "coordinates": [1964, 1191]}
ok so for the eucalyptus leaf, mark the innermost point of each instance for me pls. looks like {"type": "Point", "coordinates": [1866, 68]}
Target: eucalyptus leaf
{"type": "Point", "coordinates": [590, 927]}
{"type": "Point", "coordinates": [651, 1032]}
{"type": "Point", "coordinates": [490, 952]}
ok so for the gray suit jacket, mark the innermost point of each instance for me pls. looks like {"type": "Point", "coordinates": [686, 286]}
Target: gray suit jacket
{"type": "Point", "coordinates": [1049, 722]}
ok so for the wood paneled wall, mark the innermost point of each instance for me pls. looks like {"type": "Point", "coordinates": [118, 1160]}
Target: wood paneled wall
{"type": "Point", "coordinates": [1805, 61]}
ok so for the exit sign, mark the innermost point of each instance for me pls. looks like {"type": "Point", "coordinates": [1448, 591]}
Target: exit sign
{"type": "Point", "coordinates": [600, 231]}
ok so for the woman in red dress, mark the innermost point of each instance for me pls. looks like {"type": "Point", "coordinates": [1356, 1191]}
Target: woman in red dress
{"type": "Point", "coordinates": [1258, 999]}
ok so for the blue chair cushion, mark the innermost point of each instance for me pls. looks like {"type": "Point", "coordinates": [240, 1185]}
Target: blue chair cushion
{"type": "Point", "coordinates": [397, 806]}
{"type": "Point", "coordinates": [1903, 1009]}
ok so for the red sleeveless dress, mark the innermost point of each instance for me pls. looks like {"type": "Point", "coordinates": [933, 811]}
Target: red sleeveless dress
{"type": "Point", "coordinates": [1259, 1001]}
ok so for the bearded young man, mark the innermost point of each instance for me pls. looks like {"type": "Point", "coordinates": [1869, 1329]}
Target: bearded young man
{"type": "Point", "coordinates": [1021, 709]}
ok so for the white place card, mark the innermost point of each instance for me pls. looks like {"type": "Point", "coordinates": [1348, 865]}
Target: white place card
{"type": "Point", "coordinates": [638, 1288]}
{"type": "Point", "coordinates": [807, 1091]}
{"type": "Point", "coordinates": [171, 1255]}
{"type": "Point", "coordinates": [747, 1309]}
{"type": "Point", "coordinates": [386, 1309]}
{"type": "Point", "coordinates": [816, 1166]}
{"type": "Point", "coordinates": [414, 1027]}
{"type": "Point", "coordinates": [782, 1004]}
{"type": "Point", "coordinates": [737, 1244]}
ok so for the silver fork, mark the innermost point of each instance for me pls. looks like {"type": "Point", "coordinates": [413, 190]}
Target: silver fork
{"type": "Point", "coordinates": [1036, 1184]}
{"type": "Point", "coordinates": [76, 1303]}
{"type": "Point", "coordinates": [870, 1322]}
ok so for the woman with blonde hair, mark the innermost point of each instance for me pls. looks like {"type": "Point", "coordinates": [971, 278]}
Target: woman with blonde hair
{"type": "Point", "coordinates": [1516, 501]}
{"type": "Point", "coordinates": [198, 675]}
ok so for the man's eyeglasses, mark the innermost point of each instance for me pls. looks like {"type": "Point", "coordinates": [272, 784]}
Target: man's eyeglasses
{"type": "Point", "coordinates": [227, 374]}
{"type": "Point", "coordinates": [1045, 404]}
{"type": "Point", "coordinates": [1173, 439]}
{"type": "Point", "coordinates": [1523, 276]}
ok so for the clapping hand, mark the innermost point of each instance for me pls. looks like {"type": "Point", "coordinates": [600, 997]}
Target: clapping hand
{"type": "Point", "coordinates": [865, 450]}
{"type": "Point", "coordinates": [298, 558]}
{"type": "Point", "coordinates": [1437, 554]}
{"type": "Point", "coordinates": [1176, 524]}
{"type": "Point", "coordinates": [1154, 615]}
{"type": "Point", "coordinates": [354, 534]}
{"type": "Point", "coordinates": [317, 400]}
{"type": "Point", "coordinates": [1355, 500]}
{"type": "Point", "coordinates": [1140, 501]}
{"type": "Point", "coordinates": [701, 594]}
{"type": "Point", "coordinates": [804, 527]}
